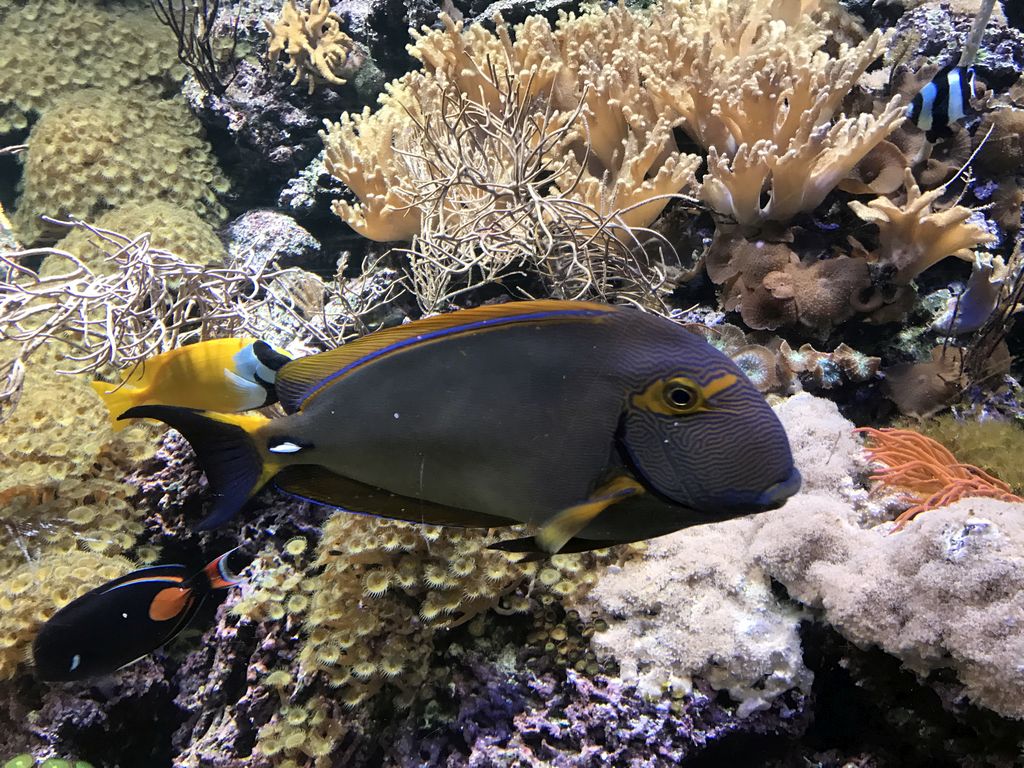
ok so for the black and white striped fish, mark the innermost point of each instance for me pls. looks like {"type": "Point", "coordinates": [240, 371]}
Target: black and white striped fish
{"type": "Point", "coordinates": [944, 101]}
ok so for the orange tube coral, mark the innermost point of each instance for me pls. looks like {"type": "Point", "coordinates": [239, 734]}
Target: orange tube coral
{"type": "Point", "coordinates": [928, 472]}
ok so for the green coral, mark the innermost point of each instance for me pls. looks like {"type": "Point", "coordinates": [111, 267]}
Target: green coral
{"type": "Point", "coordinates": [993, 444]}
{"type": "Point", "coordinates": [50, 47]}
{"type": "Point", "coordinates": [95, 150]}
{"type": "Point", "coordinates": [27, 761]}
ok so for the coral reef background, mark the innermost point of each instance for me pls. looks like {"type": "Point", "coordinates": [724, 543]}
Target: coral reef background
{"type": "Point", "coordinates": [308, 174]}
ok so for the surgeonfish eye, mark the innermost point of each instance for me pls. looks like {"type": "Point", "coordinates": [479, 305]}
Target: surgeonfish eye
{"type": "Point", "coordinates": [680, 396]}
{"type": "Point", "coordinates": [683, 396]}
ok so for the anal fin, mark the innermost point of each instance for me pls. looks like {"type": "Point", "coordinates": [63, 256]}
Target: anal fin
{"type": "Point", "coordinates": [321, 486]}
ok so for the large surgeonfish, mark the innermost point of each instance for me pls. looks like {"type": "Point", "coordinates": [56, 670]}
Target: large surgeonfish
{"type": "Point", "coordinates": [600, 424]}
{"type": "Point", "coordinates": [125, 619]}
{"type": "Point", "coordinates": [218, 375]}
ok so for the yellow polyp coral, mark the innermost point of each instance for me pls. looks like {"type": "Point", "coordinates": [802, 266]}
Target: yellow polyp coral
{"type": "Point", "coordinates": [914, 236]}
{"type": "Point", "coordinates": [171, 227]}
{"type": "Point", "coordinates": [95, 150]}
{"type": "Point", "coordinates": [36, 589]}
{"type": "Point", "coordinates": [49, 47]}
{"type": "Point", "coordinates": [377, 592]}
{"type": "Point", "coordinates": [316, 47]}
{"type": "Point", "coordinates": [302, 734]}
{"type": "Point", "coordinates": [56, 432]}
{"type": "Point", "coordinates": [68, 515]}
{"type": "Point", "coordinates": [381, 590]}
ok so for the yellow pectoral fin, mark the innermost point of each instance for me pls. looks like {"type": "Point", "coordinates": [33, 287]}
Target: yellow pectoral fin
{"type": "Point", "coordinates": [557, 531]}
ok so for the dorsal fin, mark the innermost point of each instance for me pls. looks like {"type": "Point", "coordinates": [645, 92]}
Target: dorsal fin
{"type": "Point", "coordinates": [302, 379]}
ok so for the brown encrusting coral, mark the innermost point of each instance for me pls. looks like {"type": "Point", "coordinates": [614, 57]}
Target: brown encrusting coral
{"type": "Point", "coordinates": [930, 475]}
{"type": "Point", "coordinates": [768, 284]}
{"type": "Point", "coordinates": [923, 388]}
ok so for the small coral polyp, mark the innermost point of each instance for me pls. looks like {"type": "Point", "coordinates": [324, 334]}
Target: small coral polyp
{"type": "Point", "coordinates": [94, 150]}
{"type": "Point", "coordinates": [67, 514]}
{"type": "Point", "coordinates": [109, 46]}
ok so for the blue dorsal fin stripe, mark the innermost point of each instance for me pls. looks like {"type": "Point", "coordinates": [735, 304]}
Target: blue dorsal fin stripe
{"type": "Point", "coordinates": [162, 571]}
{"type": "Point", "coordinates": [300, 380]}
{"type": "Point", "coordinates": [169, 580]}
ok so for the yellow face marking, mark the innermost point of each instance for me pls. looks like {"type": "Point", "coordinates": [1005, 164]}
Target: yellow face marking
{"type": "Point", "coordinates": [680, 396]}
{"type": "Point", "coordinates": [719, 385]}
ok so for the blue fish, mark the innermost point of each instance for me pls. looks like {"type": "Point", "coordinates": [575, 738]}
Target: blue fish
{"type": "Point", "coordinates": [599, 424]}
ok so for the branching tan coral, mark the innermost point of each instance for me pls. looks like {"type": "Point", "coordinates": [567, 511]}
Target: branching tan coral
{"type": "Point", "coordinates": [516, 151]}
{"type": "Point", "coordinates": [753, 86]}
{"type": "Point", "coordinates": [488, 191]}
{"type": "Point", "coordinates": [365, 152]}
{"type": "Point", "coordinates": [914, 236]}
{"type": "Point", "coordinates": [317, 48]}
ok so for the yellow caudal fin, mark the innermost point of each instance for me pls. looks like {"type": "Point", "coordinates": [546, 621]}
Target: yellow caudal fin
{"type": "Point", "coordinates": [117, 399]}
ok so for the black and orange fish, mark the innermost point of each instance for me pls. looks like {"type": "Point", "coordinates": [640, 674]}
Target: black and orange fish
{"type": "Point", "coordinates": [128, 618]}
